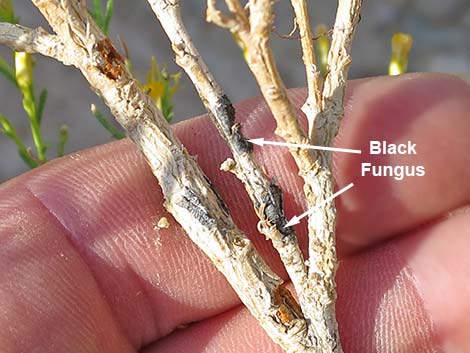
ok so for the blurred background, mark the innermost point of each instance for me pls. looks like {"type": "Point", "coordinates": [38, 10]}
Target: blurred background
{"type": "Point", "coordinates": [440, 30]}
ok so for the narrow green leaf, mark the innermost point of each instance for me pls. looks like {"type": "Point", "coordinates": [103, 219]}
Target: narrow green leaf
{"type": "Point", "coordinates": [7, 71]}
{"type": "Point", "coordinates": [115, 132]}
{"type": "Point", "coordinates": [128, 64]}
{"type": "Point", "coordinates": [10, 132]}
{"type": "Point", "coordinates": [41, 104]}
{"type": "Point", "coordinates": [63, 137]}
{"type": "Point", "coordinates": [30, 108]}
{"type": "Point", "coordinates": [97, 12]}
{"type": "Point", "coordinates": [167, 107]}
{"type": "Point", "coordinates": [27, 158]}
{"type": "Point", "coordinates": [108, 15]}
{"type": "Point", "coordinates": [6, 12]}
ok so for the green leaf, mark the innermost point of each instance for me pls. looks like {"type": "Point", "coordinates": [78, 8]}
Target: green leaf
{"type": "Point", "coordinates": [115, 132]}
{"type": "Point", "coordinates": [7, 71]}
{"type": "Point", "coordinates": [97, 12]}
{"type": "Point", "coordinates": [107, 15]}
{"type": "Point", "coordinates": [10, 132]}
{"type": "Point", "coordinates": [101, 18]}
{"type": "Point", "coordinates": [128, 64]}
{"type": "Point", "coordinates": [41, 104]}
{"type": "Point", "coordinates": [6, 12]}
{"type": "Point", "coordinates": [167, 107]}
{"type": "Point", "coordinates": [30, 108]}
{"type": "Point", "coordinates": [63, 137]}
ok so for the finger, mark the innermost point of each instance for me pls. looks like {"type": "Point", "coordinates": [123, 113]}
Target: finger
{"type": "Point", "coordinates": [235, 331]}
{"type": "Point", "coordinates": [430, 111]}
{"type": "Point", "coordinates": [49, 301]}
{"type": "Point", "coordinates": [108, 214]}
{"type": "Point", "coordinates": [152, 279]}
{"type": "Point", "coordinates": [390, 299]}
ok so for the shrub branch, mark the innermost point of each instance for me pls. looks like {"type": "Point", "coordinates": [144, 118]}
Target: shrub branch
{"type": "Point", "coordinates": [314, 167]}
{"type": "Point", "coordinates": [189, 197]}
{"type": "Point", "coordinates": [32, 41]}
{"type": "Point", "coordinates": [264, 194]}
{"type": "Point", "coordinates": [312, 104]}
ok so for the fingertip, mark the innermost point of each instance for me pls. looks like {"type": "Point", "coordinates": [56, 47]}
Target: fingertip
{"type": "Point", "coordinates": [429, 110]}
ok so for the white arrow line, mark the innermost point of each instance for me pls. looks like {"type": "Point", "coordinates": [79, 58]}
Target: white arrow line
{"type": "Point", "coordinates": [296, 219]}
{"type": "Point", "coordinates": [262, 142]}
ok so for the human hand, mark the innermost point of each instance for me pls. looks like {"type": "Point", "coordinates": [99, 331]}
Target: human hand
{"type": "Point", "coordinates": [85, 269]}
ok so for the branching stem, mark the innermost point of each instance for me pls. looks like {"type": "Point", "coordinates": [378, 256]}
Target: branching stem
{"type": "Point", "coordinates": [189, 197]}
{"type": "Point", "coordinates": [265, 195]}
{"type": "Point", "coordinates": [314, 167]}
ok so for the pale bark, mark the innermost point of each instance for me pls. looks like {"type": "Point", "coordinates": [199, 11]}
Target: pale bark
{"type": "Point", "coordinates": [264, 194]}
{"type": "Point", "coordinates": [28, 40]}
{"type": "Point", "coordinates": [188, 195]}
{"type": "Point", "coordinates": [348, 15]}
{"type": "Point", "coordinates": [314, 167]}
{"type": "Point", "coordinates": [322, 222]}
{"type": "Point", "coordinates": [312, 105]}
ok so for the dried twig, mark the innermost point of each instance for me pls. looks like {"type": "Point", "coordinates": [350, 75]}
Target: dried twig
{"type": "Point", "coordinates": [188, 195]}
{"type": "Point", "coordinates": [348, 15]}
{"type": "Point", "coordinates": [32, 41]}
{"type": "Point", "coordinates": [252, 31]}
{"type": "Point", "coordinates": [265, 195]}
{"type": "Point", "coordinates": [322, 223]}
{"type": "Point", "coordinates": [312, 105]}
{"type": "Point", "coordinates": [253, 35]}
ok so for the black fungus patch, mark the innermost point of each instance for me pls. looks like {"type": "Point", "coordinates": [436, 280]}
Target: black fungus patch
{"type": "Point", "coordinates": [193, 204]}
{"type": "Point", "coordinates": [239, 140]}
{"type": "Point", "coordinates": [226, 113]}
{"type": "Point", "coordinates": [226, 119]}
{"type": "Point", "coordinates": [274, 212]}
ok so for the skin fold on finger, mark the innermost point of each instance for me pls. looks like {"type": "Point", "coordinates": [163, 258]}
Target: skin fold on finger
{"type": "Point", "coordinates": [430, 111]}
{"type": "Point", "coordinates": [156, 279]}
{"type": "Point", "coordinates": [394, 297]}
{"type": "Point", "coordinates": [42, 309]}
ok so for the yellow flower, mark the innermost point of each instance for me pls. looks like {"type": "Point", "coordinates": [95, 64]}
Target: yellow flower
{"type": "Point", "coordinates": [322, 46]}
{"type": "Point", "coordinates": [155, 90]}
{"type": "Point", "coordinates": [24, 70]}
{"type": "Point", "coordinates": [401, 45]}
{"type": "Point", "coordinates": [160, 87]}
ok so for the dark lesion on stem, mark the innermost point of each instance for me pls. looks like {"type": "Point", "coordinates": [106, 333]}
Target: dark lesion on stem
{"type": "Point", "coordinates": [288, 308]}
{"type": "Point", "coordinates": [220, 201]}
{"type": "Point", "coordinates": [270, 206]}
{"type": "Point", "coordinates": [225, 112]}
{"type": "Point", "coordinates": [113, 65]}
{"type": "Point", "coordinates": [192, 202]}
{"type": "Point", "coordinates": [273, 211]}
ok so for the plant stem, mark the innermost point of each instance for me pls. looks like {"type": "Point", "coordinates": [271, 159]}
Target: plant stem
{"type": "Point", "coordinates": [189, 197]}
